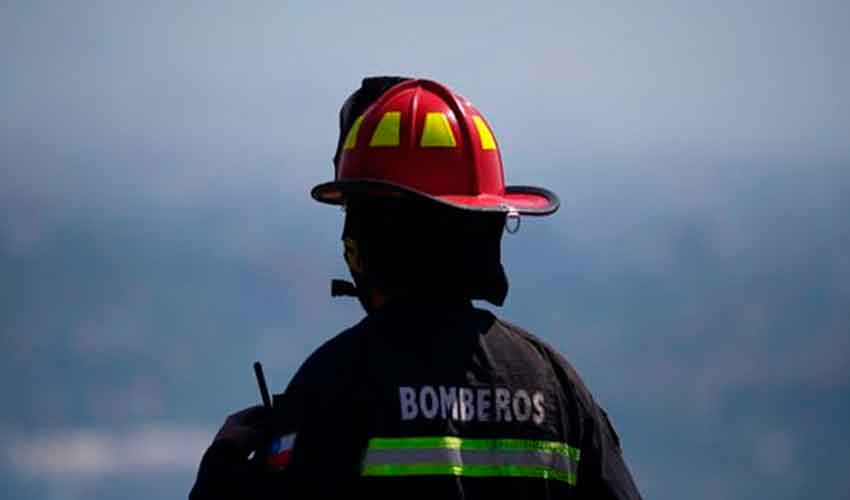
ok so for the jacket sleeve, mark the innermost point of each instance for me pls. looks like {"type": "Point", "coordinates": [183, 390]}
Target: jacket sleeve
{"type": "Point", "coordinates": [602, 472]}
{"type": "Point", "coordinates": [225, 474]}
{"type": "Point", "coordinates": [322, 410]}
{"type": "Point", "coordinates": [329, 430]}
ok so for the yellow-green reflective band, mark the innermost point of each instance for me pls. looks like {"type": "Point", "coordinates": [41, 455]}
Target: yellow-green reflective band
{"type": "Point", "coordinates": [387, 132]}
{"type": "Point", "coordinates": [474, 457]}
{"type": "Point", "coordinates": [351, 137]}
{"type": "Point", "coordinates": [453, 442]}
{"type": "Point", "coordinates": [437, 133]}
{"type": "Point", "coordinates": [487, 140]}
{"type": "Point", "coordinates": [469, 471]}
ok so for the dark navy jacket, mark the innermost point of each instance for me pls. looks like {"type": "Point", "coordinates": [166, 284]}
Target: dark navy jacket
{"type": "Point", "coordinates": [430, 401]}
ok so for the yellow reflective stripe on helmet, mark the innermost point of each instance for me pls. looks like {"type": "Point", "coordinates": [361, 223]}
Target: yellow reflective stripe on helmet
{"type": "Point", "coordinates": [351, 137]}
{"type": "Point", "coordinates": [487, 140]}
{"type": "Point", "coordinates": [437, 133]}
{"type": "Point", "coordinates": [388, 130]}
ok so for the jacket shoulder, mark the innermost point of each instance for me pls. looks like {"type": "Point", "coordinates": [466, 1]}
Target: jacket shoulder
{"type": "Point", "coordinates": [328, 365]}
{"type": "Point", "coordinates": [339, 348]}
{"type": "Point", "coordinates": [566, 374]}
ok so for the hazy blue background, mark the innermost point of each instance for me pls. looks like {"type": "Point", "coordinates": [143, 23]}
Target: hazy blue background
{"type": "Point", "coordinates": [156, 235]}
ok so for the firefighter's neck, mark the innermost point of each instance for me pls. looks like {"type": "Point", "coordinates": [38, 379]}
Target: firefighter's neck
{"type": "Point", "coordinates": [378, 299]}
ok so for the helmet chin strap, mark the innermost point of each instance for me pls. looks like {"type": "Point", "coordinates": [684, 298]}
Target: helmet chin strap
{"type": "Point", "coordinates": [343, 288]}
{"type": "Point", "coordinates": [359, 289]}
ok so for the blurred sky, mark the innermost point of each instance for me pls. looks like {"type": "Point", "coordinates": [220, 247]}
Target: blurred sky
{"type": "Point", "coordinates": [157, 236]}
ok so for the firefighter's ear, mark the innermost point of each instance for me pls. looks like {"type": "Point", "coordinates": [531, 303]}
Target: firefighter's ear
{"type": "Point", "coordinates": [352, 256]}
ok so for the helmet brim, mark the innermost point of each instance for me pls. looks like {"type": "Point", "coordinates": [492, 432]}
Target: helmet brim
{"type": "Point", "coordinates": [526, 200]}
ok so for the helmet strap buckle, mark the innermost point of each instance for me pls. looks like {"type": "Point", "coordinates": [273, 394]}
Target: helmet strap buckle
{"type": "Point", "coordinates": [512, 220]}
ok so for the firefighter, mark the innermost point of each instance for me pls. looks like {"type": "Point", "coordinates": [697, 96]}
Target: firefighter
{"type": "Point", "coordinates": [428, 396]}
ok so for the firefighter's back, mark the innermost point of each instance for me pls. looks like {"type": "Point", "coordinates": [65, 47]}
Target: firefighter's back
{"type": "Point", "coordinates": [458, 404]}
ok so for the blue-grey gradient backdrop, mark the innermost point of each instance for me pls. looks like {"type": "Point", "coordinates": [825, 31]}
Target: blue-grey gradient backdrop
{"type": "Point", "coordinates": [156, 235]}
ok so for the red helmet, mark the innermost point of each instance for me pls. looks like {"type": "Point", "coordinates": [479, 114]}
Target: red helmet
{"type": "Point", "coordinates": [420, 139]}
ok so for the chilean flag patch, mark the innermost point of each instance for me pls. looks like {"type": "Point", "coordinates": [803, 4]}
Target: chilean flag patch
{"type": "Point", "coordinates": [280, 451]}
